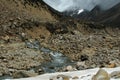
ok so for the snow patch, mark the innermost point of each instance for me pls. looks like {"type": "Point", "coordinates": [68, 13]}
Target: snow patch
{"type": "Point", "coordinates": [83, 74]}
{"type": "Point", "coordinates": [80, 11]}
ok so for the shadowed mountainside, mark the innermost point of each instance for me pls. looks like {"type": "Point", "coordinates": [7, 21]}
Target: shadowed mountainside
{"type": "Point", "coordinates": [110, 17]}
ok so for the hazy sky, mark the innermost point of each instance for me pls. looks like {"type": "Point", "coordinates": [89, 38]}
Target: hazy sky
{"type": "Point", "coordinates": [62, 5]}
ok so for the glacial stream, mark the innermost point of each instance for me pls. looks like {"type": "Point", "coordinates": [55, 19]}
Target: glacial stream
{"type": "Point", "coordinates": [57, 62]}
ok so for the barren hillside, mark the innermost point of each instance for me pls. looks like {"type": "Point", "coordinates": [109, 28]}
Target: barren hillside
{"type": "Point", "coordinates": [15, 14]}
{"type": "Point", "coordinates": [35, 39]}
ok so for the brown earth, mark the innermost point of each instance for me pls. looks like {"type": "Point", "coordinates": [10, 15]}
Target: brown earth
{"type": "Point", "coordinates": [21, 20]}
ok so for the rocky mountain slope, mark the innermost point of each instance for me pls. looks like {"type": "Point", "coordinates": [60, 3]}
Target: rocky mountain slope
{"type": "Point", "coordinates": [111, 16]}
{"type": "Point", "coordinates": [15, 14]}
{"type": "Point", "coordinates": [29, 29]}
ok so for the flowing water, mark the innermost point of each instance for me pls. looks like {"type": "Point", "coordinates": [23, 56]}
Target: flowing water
{"type": "Point", "coordinates": [6, 77]}
{"type": "Point", "coordinates": [57, 62]}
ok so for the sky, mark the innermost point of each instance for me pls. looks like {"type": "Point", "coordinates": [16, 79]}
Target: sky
{"type": "Point", "coordinates": [63, 5]}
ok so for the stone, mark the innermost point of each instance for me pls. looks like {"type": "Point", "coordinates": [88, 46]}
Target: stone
{"type": "Point", "coordinates": [23, 73]}
{"type": "Point", "coordinates": [1, 74]}
{"type": "Point", "coordinates": [81, 63]}
{"type": "Point", "coordinates": [53, 78]}
{"type": "Point", "coordinates": [6, 38]}
{"type": "Point", "coordinates": [5, 60]}
{"type": "Point", "coordinates": [115, 74]}
{"type": "Point", "coordinates": [64, 77]}
{"type": "Point", "coordinates": [101, 75]}
{"type": "Point", "coordinates": [60, 77]}
{"type": "Point", "coordinates": [112, 64]}
{"type": "Point", "coordinates": [23, 34]}
{"type": "Point", "coordinates": [69, 68]}
{"type": "Point", "coordinates": [40, 71]}
{"type": "Point", "coordinates": [11, 70]}
{"type": "Point", "coordinates": [29, 73]}
{"type": "Point", "coordinates": [75, 78]}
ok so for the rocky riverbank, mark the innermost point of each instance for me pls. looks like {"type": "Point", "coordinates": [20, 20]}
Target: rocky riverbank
{"type": "Point", "coordinates": [85, 50]}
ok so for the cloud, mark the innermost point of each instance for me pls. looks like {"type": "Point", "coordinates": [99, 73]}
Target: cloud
{"type": "Point", "coordinates": [62, 5]}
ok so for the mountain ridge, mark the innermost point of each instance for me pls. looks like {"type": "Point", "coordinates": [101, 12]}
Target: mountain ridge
{"type": "Point", "coordinates": [109, 17]}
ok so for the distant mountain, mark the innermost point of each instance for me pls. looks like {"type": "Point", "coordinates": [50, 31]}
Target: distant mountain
{"type": "Point", "coordinates": [94, 13]}
{"type": "Point", "coordinates": [111, 16]}
{"type": "Point", "coordinates": [108, 17]}
{"type": "Point", "coordinates": [77, 14]}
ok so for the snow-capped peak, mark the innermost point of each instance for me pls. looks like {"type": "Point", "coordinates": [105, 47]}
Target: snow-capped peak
{"type": "Point", "coordinates": [80, 11]}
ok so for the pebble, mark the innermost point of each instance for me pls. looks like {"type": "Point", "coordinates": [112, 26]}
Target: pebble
{"type": "Point", "coordinates": [75, 78]}
{"type": "Point", "coordinates": [112, 64]}
{"type": "Point", "coordinates": [11, 70]}
{"type": "Point", "coordinates": [6, 38]}
{"type": "Point", "coordinates": [60, 77]}
{"type": "Point", "coordinates": [5, 60]}
{"type": "Point", "coordinates": [115, 74]}
{"type": "Point", "coordinates": [23, 34]}
{"type": "Point", "coordinates": [69, 68]}
{"type": "Point", "coordinates": [28, 73]}
{"type": "Point", "coordinates": [101, 75]}
{"type": "Point", "coordinates": [81, 63]}
{"type": "Point", "coordinates": [1, 74]}
{"type": "Point", "coordinates": [40, 71]}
